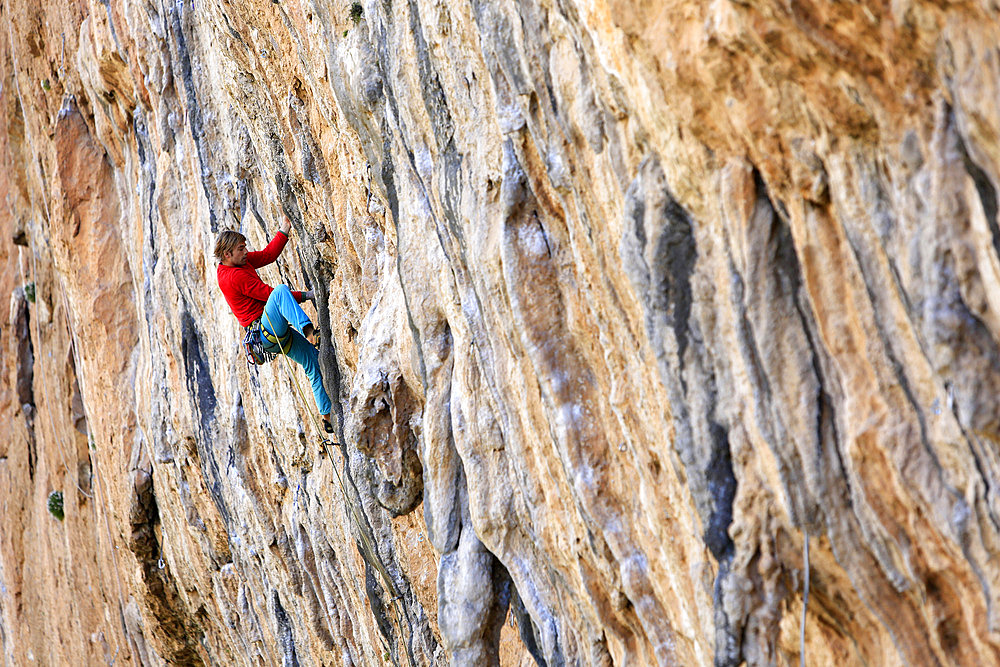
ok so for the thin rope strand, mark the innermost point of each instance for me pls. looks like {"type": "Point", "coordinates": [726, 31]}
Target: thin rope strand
{"type": "Point", "coordinates": [805, 604]}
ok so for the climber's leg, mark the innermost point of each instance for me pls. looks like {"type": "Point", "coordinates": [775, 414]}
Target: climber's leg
{"type": "Point", "coordinates": [303, 352]}
{"type": "Point", "coordinates": [282, 310]}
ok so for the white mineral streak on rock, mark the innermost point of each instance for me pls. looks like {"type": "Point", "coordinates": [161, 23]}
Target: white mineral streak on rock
{"type": "Point", "coordinates": [619, 300]}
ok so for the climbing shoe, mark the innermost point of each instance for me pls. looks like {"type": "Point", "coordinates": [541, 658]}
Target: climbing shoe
{"type": "Point", "coordinates": [327, 426]}
{"type": "Point", "coordinates": [311, 334]}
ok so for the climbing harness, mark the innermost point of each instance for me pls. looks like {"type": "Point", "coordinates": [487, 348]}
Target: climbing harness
{"type": "Point", "coordinates": [284, 343]}
{"type": "Point", "coordinates": [258, 341]}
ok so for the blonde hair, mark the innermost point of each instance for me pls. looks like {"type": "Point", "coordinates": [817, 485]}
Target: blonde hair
{"type": "Point", "coordinates": [228, 240]}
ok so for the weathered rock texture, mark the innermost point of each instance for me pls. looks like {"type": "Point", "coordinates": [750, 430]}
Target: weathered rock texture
{"type": "Point", "coordinates": [620, 301]}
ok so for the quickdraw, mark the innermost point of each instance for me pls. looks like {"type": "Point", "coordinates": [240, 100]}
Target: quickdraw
{"type": "Point", "coordinates": [258, 341]}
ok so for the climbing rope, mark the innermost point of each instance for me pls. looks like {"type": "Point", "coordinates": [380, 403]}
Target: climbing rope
{"type": "Point", "coordinates": [805, 604]}
{"type": "Point", "coordinates": [367, 549]}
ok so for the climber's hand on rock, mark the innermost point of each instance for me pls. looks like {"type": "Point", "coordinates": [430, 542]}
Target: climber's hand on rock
{"type": "Point", "coordinates": [286, 226]}
{"type": "Point", "coordinates": [308, 296]}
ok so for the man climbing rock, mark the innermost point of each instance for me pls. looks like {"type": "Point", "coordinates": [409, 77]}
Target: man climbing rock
{"type": "Point", "coordinates": [278, 310]}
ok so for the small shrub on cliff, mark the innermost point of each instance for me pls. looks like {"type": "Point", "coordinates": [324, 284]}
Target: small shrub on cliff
{"type": "Point", "coordinates": [56, 505]}
{"type": "Point", "coordinates": [29, 292]}
{"type": "Point", "coordinates": [356, 12]}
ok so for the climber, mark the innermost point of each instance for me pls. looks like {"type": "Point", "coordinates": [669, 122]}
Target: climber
{"type": "Point", "coordinates": [277, 309]}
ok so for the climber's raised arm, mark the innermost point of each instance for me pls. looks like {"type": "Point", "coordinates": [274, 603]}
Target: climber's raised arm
{"type": "Point", "coordinates": [273, 249]}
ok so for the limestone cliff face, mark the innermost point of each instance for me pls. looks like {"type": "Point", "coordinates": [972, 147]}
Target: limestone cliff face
{"type": "Point", "coordinates": [625, 306]}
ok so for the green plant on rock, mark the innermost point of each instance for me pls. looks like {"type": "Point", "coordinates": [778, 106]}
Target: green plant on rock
{"type": "Point", "coordinates": [357, 11]}
{"type": "Point", "coordinates": [56, 505]}
{"type": "Point", "coordinates": [29, 292]}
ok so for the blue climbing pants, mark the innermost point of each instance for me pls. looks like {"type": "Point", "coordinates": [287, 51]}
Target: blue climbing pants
{"type": "Point", "coordinates": [281, 312]}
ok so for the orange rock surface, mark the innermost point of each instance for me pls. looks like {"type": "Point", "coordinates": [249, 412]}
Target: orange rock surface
{"type": "Point", "coordinates": [626, 307]}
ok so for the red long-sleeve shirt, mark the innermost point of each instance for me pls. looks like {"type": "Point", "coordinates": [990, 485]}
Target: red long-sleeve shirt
{"type": "Point", "coordinates": [245, 292]}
